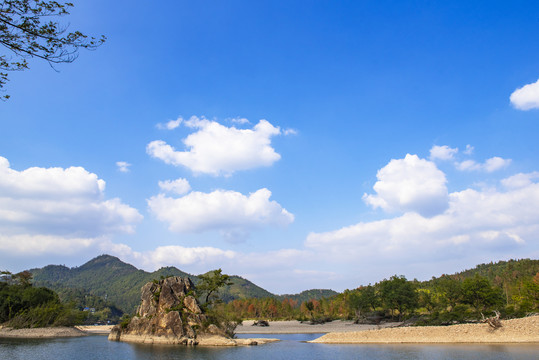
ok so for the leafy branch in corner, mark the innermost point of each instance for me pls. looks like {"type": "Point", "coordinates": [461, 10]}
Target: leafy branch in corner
{"type": "Point", "coordinates": [27, 32]}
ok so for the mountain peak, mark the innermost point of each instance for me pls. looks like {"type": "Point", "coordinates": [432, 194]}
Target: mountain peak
{"type": "Point", "coordinates": [108, 261]}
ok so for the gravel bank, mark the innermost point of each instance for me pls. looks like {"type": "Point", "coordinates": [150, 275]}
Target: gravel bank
{"type": "Point", "coordinates": [296, 327]}
{"type": "Point", "coordinates": [37, 333]}
{"type": "Point", "coordinates": [524, 330]}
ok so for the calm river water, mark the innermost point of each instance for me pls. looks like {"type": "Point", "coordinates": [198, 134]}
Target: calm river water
{"type": "Point", "coordinates": [292, 346]}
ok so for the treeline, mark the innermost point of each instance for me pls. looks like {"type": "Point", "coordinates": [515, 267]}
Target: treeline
{"type": "Point", "coordinates": [511, 288]}
{"type": "Point", "coordinates": [23, 306]}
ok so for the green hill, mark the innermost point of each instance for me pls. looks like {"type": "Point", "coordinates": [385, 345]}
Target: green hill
{"type": "Point", "coordinates": [313, 294]}
{"type": "Point", "coordinates": [118, 283]}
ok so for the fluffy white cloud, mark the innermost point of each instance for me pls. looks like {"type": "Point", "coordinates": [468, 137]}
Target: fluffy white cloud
{"type": "Point", "coordinates": [179, 255]}
{"type": "Point", "coordinates": [490, 165]}
{"type": "Point", "coordinates": [216, 149]}
{"type": "Point", "coordinates": [520, 180]}
{"type": "Point", "coordinates": [475, 222]}
{"type": "Point", "coordinates": [123, 166]}
{"type": "Point", "coordinates": [442, 152]}
{"type": "Point", "coordinates": [57, 202]}
{"type": "Point", "coordinates": [179, 186]}
{"type": "Point", "coordinates": [410, 184]}
{"type": "Point", "coordinates": [37, 245]}
{"type": "Point", "coordinates": [219, 210]}
{"type": "Point", "coordinates": [170, 125]}
{"type": "Point", "coordinates": [526, 97]}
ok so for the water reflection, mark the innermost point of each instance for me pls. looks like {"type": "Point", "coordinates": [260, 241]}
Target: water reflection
{"type": "Point", "coordinates": [292, 346]}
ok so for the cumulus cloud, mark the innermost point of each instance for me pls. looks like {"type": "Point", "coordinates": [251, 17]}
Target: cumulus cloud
{"type": "Point", "coordinates": [410, 184]}
{"type": "Point", "coordinates": [476, 221]}
{"type": "Point", "coordinates": [219, 150]}
{"type": "Point", "coordinates": [123, 166]}
{"type": "Point", "coordinates": [179, 186]}
{"type": "Point", "coordinates": [520, 180]}
{"type": "Point", "coordinates": [526, 97]}
{"type": "Point", "coordinates": [219, 210]}
{"type": "Point", "coordinates": [40, 207]}
{"type": "Point", "coordinates": [174, 254]}
{"type": "Point", "coordinates": [490, 165]}
{"type": "Point", "coordinates": [36, 245]}
{"type": "Point", "coordinates": [170, 125]}
{"type": "Point", "coordinates": [442, 152]}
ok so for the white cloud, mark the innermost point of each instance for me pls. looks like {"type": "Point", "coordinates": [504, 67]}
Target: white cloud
{"type": "Point", "coordinates": [219, 150]}
{"type": "Point", "coordinates": [410, 184]}
{"type": "Point", "coordinates": [490, 165]}
{"type": "Point", "coordinates": [469, 149]}
{"type": "Point", "coordinates": [526, 97]}
{"type": "Point", "coordinates": [174, 254]}
{"type": "Point", "coordinates": [520, 180]}
{"type": "Point", "coordinates": [240, 121]}
{"type": "Point", "coordinates": [36, 245]}
{"type": "Point", "coordinates": [442, 152]}
{"type": "Point", "coordinates": [476, 222]}
{"type": "Point", "coordinates": [170, 125]}
{"type": "Point", "coordinates": [61, 203]}
{"type": "Point", "coordinates": [123, 166]}
{"type": "Point", "coordinates": [290, 132]}
{"type": "Point", "coordinates": [219, 210]}
{"type": "Point", "coordinates": [179, 186]}
{"type": "Point", "coordinates": [496, 163]}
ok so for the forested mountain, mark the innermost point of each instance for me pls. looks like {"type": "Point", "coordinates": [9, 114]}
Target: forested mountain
{"type": "Point", "coordinates": [313, 294]}
{"type": "Point", "coordinates": [118, 283]}
{"type": "Point", "coordinates": [510, 288]}
{"type": "Point", "coordinates": [510, 276]}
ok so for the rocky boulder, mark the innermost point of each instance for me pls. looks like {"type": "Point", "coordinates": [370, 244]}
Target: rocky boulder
{"type": "Point", "coordinates": [169, 313]}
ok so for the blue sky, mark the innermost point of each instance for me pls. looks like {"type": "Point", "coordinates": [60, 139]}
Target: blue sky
{"type": "Point", "coordinates": [298, 144]}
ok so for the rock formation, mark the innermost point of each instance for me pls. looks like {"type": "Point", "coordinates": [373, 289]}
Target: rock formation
{"type": "Point", "coordinates": [169, 313]}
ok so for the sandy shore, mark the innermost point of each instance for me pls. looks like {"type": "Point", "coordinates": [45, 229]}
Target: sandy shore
{"type": "Point", "coordinates": [524, 330]}
{"type": "Point", "coordinates": [38, 333]}
{"type": "Point", "coordinates": [95, 329]}
{"type": "Point", "coordinates": [296, 327]}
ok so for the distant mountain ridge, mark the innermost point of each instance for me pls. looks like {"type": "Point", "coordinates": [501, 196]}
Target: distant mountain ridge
{"type": "Point", "coordinates": [119, 283]}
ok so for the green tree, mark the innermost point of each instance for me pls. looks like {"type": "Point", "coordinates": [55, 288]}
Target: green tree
{"type": "Point", "coordinates": [363, 300]}
{"type": "Point", "coordinates": [27, 32]}
{"type": "Point", "coordinates": [449, 291]}
{"type": "Point", "coordinates": [210, 283]}
{"type": "Point", "coordinates": [399, 294]}
{"type": "Point", "coordinates": [479, 292]}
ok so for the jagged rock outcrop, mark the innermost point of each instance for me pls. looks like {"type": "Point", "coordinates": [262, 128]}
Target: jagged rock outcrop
{"type": "Point", "coordinates": [169, 313]}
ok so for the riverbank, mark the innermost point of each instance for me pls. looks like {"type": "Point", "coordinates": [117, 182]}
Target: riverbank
{"type": "Point", "coordinates": [41, 333]}
{"type": "Point", "coordinates": [95, 329]}
{"type": "Point", "coordinates": [525, 330]}
{"type": "Point", "coordinates": [297, 327]}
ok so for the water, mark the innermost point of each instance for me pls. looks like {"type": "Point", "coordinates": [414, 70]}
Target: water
{"type": "Point", "coordinates": [292, 346]}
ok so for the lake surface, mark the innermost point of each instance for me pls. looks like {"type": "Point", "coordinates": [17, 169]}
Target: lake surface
{"type": "Point", "coordinates": [292, 346]}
